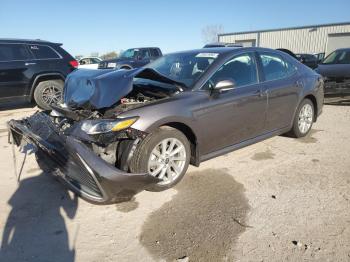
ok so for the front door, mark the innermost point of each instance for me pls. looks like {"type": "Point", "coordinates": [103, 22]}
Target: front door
{"type": "Point", "coordinates": [233, 116]}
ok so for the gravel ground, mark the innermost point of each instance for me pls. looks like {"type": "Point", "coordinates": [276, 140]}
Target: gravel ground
{"type": "Point", "coordinates": [278, 200]}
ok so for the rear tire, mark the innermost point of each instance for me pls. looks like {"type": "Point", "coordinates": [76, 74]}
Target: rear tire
{"type": "Point", "coordinates": [303, 119]}
{"type": "Point", "coordinates": [48, 93]}
{"type": "Point", "coordinates": [170, 164]}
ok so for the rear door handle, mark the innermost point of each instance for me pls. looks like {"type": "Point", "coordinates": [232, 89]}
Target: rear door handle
{"type": "Point", "coordinates": [28, 64]}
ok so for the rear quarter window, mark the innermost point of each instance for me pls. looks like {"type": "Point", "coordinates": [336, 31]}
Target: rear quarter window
{"type": "Point", "coordinates": [43, 52]}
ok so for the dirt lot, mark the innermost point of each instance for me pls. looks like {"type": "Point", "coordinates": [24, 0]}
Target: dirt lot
{"type": "Point", "coordinates": [279, 200]}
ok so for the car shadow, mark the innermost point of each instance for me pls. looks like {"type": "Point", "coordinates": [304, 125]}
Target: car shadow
{"type": "Point", "coordinates": [35, 229]}
{"type": "Point", "coordinates": [15, 105]}
{"type": "Point", "coordinates": [338, 103]}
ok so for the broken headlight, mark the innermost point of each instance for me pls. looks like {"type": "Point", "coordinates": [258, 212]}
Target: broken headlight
{"type": "Point", "coordinates": [93, 127]}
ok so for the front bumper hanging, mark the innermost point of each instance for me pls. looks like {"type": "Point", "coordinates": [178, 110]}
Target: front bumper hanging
{"type": "Point", "coordinates": [76, 164]}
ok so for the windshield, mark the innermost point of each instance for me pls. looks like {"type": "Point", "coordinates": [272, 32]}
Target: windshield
{"type": "Point", "coordinates": [130, 53]}
{"type": "Point", "coordinates": [95, 60]}
{"type": "Point", "coordinates": [338, 57]}
{"type": "Point", "coordinates": [184, 67]}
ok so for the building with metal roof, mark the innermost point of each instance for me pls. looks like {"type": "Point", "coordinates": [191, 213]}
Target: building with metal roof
{"type": "Point", "coordinates": [323, 38]}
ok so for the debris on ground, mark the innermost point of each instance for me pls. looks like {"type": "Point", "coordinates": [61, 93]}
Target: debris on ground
{"type": "Point", "coordinates": [182, 259]}
{"type": "Point", "coordinates": [297, 243]}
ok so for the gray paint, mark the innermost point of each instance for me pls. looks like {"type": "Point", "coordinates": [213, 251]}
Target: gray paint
{"type": "Point", "coordinates": [234, 116]}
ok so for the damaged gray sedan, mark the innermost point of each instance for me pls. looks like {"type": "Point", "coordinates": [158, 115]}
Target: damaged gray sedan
{"type": "Point", "coordinates": [118, 132]}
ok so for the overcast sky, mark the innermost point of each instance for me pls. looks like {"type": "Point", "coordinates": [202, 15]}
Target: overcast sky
{"type": "Point", "coordinates": [86, 26]}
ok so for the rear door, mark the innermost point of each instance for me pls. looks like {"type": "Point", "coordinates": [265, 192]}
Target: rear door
{"type": "Point", "coordinates": [46, 59]}
{"type": "Point", "coordinates": [14, 74]}
{"type": "Point", "coordinates": [282, 85]}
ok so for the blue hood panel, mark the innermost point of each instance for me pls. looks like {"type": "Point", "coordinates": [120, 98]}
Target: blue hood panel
{"type": "Point", "coordinates": [97, 89]}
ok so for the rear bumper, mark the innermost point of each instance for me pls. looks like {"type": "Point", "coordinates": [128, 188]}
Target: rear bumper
{"type": "Point", "coordinates": [79, 167]}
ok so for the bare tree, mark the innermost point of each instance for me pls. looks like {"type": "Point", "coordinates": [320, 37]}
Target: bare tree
{"type": "Point", "coordinates": [109, 55]}
{"type": "Point", "coordinates": [210, 33]}
{"type": "Point", "coordinates": [94, 54]}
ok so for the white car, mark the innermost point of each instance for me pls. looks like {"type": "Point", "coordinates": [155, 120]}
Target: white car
{"type": "Point", "coordinates": [89, 62]}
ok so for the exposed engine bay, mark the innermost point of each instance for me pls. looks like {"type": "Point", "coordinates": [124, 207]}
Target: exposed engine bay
{"type": "Point", "coordinates": [114, 147]}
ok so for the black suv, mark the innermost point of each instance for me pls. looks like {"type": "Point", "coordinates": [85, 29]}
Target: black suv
{"type": "Point", "coordinates": [33, 70]}
{"type": "Point", "coordinates": [308, 59]}
{"type": "Point", "coordinates": [132, 58]}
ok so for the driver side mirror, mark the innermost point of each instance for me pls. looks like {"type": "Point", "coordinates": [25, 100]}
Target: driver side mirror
{"type": "Point", "coordinates": [224, 85]}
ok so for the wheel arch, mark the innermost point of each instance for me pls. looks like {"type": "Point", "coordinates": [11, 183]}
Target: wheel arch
{"type": "Point", "coordinates": [125, 66]}
{"type": "Point", "coordinates": [44, 77]}
{"type": "Point", "coordinates": [191, 136]}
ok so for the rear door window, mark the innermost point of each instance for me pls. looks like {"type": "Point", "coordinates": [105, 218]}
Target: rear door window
{"type": "Point", "coordinates": [13, 52]}
{"type": "Point", "coordinates": [43, 52]}
{"type": "Point", "coordinates": [274, 67]}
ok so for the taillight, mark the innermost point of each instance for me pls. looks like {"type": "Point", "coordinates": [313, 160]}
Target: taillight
{"type": "Point", "coordinates": [74, 63]}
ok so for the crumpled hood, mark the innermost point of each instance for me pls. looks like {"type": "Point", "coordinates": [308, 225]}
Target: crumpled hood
{"type": "Point", "coordinates": [96, 89]}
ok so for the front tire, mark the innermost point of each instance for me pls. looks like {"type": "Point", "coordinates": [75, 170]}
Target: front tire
{"type": "Point", "coordinates": [304, 118]}
{"type": "Point", "coordinates": [164, 154]}
{"type": "Point", "coordinates": [48, 93]}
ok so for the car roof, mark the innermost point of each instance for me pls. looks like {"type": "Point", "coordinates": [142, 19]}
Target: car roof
{"type": "Point", "coordinates": [343, 49]}
{"type": "Point", "coordinates": [26, 41]}
{"type": "Point", "coordinates": [222, 44]}
{"type": "Point", "coordinates": [143, 47]}
{"type": "Point", "coordinates": [227, 50]}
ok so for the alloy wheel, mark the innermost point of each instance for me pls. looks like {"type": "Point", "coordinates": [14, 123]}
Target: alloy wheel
{"type": "Point", "coordinates": [51, 95]}
{"type": "Point", "coordinates": [167, 160]}
{"type": "Point", "coordinates": [305, 118]}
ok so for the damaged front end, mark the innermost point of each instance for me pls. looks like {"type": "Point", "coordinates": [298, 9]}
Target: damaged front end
{"type": "Point", "coordinates": [86, 141]}
{"type": "Point", "coordinates": [72, 157]}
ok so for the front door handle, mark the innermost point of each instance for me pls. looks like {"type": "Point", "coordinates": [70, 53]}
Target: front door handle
{"type": "Point", "coordinates": [28, 64]}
